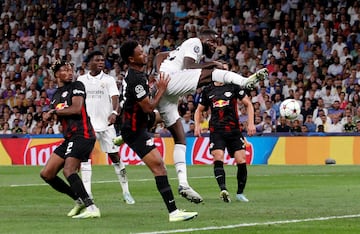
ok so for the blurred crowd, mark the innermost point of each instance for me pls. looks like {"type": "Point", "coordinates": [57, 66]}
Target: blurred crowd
{"type": "Point", "coordinates": [311, 49]}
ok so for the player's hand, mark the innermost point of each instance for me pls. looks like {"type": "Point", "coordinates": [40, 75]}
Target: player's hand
{"type": "Point", "coordinates": [251, 130]}
{"type": "Point", "coordinates": [220, 65]}
{"type": "Point", "coordinates": [162, 82]}
{"type": "Point", "coordinates": [111, 119]}
{"type": "Point", "coordinates": [49, 114]}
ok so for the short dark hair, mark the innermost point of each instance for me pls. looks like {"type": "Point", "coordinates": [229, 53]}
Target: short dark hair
{"type": "Point", "coordinates": [208, 33]}
{"type": "Point", "coordinates": [127, 50]}
{"type": "Point", "coordinates": [93, 54]}
{"type": "Point", "coordinates": [58, 64]}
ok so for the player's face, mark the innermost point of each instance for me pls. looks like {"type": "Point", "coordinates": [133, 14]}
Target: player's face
{"type": "Point", "coordinates": [209, 46]}
{"type": "Point", "coordinates": [97, 63]}
{"type": "Point", "coordinates": [65, 73]}
{"type": "Point", "coordinates": [139, 58]}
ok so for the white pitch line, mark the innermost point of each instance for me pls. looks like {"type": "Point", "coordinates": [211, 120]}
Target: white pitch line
{"type": "Point", "coordinates": [253, 224]}
{"type": "Point", "coordinates": [100, 182]}
{"type": "Point", "coordinates": [134, 180]}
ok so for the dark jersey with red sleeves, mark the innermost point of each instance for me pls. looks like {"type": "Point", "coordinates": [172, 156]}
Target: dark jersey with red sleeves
{"type": "Point", "coordinates": [137, 88]}
{"type": "Point", "coordinates": [222, 101]}
{"type": "Point", "coordinates": [73, 125]}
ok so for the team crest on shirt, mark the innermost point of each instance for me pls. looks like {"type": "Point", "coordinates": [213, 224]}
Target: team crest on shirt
{"type": "Point", "coordinates": [140, 91]}
{"type": "Point", "coordinates": [196, 49]}
{"type": "Point", "coordinates": [241, 92]}
{"type": "Point", "coordinates": [227, 94]}
{"type": "Point", "coordinates": [102, 85]}
{"type": "Point", "coordinates": [64, 94]}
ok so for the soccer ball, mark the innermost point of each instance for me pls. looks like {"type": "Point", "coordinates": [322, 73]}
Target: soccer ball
{"type": "Point", "coordinates": [290, 109]}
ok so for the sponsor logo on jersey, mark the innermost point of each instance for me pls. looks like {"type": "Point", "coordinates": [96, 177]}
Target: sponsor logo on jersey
{"type": "Point", "coordinates": [78, 91]}
{"type": "Point", "coordinates": [227, 94]}
{"type": "Point", "coordinates": [61, 106]}
{"type": "Point", "coordinates": [221, 103]}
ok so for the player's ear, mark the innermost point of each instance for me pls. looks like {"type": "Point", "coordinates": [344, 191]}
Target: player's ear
{"type": "Point", "coordinates": [131, 59]}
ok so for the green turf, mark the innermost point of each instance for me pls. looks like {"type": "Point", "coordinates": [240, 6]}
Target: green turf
{"type": "Point", "coordinates": [277, 194]}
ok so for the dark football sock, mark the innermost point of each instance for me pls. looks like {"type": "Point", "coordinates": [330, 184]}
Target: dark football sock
{"type": "Point", "coordinates": [164, 188]}
{"type": "Point", "coordinates": [78, 187]}
{"type": "Point", "coordinates": [59, 185]}
{"type": "Point", "coordinates": [241, 177]}
{"type": "Point", "coordinates": [219, 173]}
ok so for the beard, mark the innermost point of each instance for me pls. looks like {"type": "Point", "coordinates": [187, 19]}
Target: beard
{"type": "Point", "coordinates": [208, 50]}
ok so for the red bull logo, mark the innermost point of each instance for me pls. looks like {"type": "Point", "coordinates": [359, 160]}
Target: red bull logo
{"type": "Point", "coordinates": [61, 106]}
{"type": "Point", "coordinates": [202, 154]}
{"type": "Point", "coordinates": [221, 103]}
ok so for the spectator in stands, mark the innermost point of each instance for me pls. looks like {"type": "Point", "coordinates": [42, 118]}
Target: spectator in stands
{"type": "Point", "coordinates": [323, 120]}
{"type": "Point", "coordinates": [358, 126]}
{"type": "Point", "coordinates": [186, 120]}
{"type": "Point", "coordinates": [268, 125]}
{"type": "Point", "coordinates": [282, 126]}
{"type": "Point", "coordinates": [295, 126]}
{"type": "Point", "coordinates": [29, 122]}
{"type": "Point", "coordinates": [356, 117]}
{"type": "Point", "coordinates": [335, 68]}
{"type": "Point", "coordinates": [54, 36]}
{"type": "Point", "coordinates": [349, 126]}
{"type": "Point", "coordinates": [320, 128]}
{"type": "Point", "coordinates": [338, 46]}
{"type": "Point", "coordinates": [308, 122]}
{"type": "Point", "coordinates": [336, 125]}
{"type": "Point", "coordinates": [6, 129]}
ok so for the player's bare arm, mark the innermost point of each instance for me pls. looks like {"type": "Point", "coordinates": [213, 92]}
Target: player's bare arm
{"type": "Point", "coordinates": [148, 105]}
{"type": "Point", "coordinates": [74, 109]}
{"type": "Point", "coordinates": [189, 63]}
{"type": "Point", "coordinates": [197, 117]}
{"type": "Point", "coordinates": [251, 130]}
{"type": "Point", "coordinates": [115, 106]}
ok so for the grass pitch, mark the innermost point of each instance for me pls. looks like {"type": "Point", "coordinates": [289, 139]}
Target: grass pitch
{"type": "Point", "coordinates": [283, 199]}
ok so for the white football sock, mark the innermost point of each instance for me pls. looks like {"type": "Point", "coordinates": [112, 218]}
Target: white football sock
{"type": "Point", "coordinates": [86, 173]}
{"type": "Point", "coordinates": [228, 77]}
{"type": "Point", "coordinates": [121, 174]}
{"type": "Point", "coordinates": [180, 164]}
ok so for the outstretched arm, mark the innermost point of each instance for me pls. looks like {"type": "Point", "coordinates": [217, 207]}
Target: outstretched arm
{"type": "Point", "coordinates": [250, 110]}
{"type": "Point", "coordinates": [189, 63]}
{"type": "Point", "coordinates": [148, 105]}
{"type": "Point", "coordinates": [197, 117]}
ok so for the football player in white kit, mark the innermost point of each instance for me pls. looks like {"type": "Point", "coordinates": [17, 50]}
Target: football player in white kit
{"type": "Point", "coordinates": [102, 102]}
{"type": "Point", "coordinates": [187, 72]}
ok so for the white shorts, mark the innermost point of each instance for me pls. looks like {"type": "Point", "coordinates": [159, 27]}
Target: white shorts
{"type": "Point", "coordinates": [105, 139]}
{"type": "Point", "coordinates": [181, 83]}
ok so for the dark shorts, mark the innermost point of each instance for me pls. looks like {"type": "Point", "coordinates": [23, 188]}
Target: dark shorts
{"type": "Point", "coordinates": [140, 142]}
{"type": "Point", "coordinates": [77, 147]}
{"type": "Point", "coordinates": [232, 141]}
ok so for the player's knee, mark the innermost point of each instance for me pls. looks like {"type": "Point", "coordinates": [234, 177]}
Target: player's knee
{"type": "Point", "coordinates": [159, 169]}
{"type": "Point", "coordinates": [46, 175]}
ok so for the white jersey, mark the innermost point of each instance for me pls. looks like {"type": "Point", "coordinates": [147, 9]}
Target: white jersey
{"type": "Point", "coordinates": [182, 80]}
{"type": "Point", "coordinates": [99, 90]}
{"type": "Point", "coordinates": [175, 61]}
